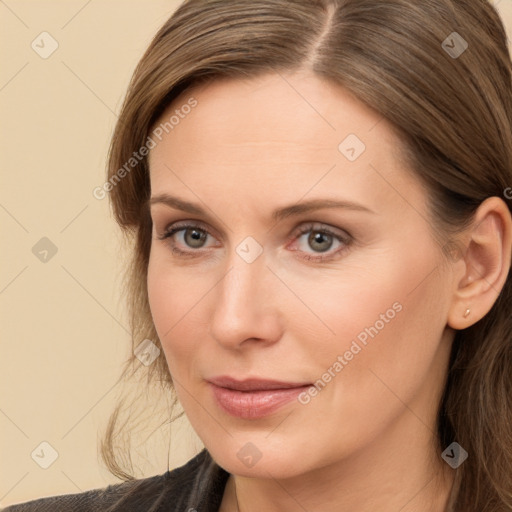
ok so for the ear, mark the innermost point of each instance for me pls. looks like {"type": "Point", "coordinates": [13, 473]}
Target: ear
{"type": "Point", "coordinates": [482, 270]}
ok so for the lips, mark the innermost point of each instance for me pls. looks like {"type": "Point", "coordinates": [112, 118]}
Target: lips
{"type": "Point", "coordinates": [254, 384]}
{"type": "Point", "coordinates": [253, 398]}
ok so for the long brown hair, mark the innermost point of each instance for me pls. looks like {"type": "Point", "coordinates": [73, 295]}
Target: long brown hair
{"type": "Point", "coordinates": [440, 72]}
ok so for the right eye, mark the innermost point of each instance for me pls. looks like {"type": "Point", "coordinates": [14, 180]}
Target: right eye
{"type": "Point", "coordinates": [191, 236]}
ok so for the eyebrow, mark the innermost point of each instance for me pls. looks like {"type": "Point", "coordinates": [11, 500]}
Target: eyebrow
{"type": "Point", "coordinates": [277, 215]}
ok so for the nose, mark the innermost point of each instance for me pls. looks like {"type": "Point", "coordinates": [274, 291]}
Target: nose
{"type": "Point", "coordinates": [246, 308]}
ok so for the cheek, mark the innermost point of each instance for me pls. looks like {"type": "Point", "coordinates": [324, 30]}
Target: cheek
{"type": "Point", "coordinates": [175, 299]}
{"type": "Point", "coordinates": [387, 317]}
{"type": "Point", "coordinates": [407, 358]}
{"type": "Point", "coordinates": [361, 301]}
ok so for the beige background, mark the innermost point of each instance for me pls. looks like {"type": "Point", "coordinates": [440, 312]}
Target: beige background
{"type": "Point", "coordinates": [64, 329]}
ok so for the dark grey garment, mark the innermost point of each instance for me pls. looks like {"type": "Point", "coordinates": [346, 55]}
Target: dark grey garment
{"type": "Point", "coordinates": [196, 486]}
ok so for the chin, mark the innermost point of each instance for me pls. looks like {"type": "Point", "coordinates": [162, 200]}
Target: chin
{"type": "Point", "coordinates": [254, 456]}
{"type": "Point", "coordinates": [269, 466]}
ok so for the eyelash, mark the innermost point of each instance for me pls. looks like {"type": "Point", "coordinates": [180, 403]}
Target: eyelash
{"type": "Point", "coordinates": [346, 241]}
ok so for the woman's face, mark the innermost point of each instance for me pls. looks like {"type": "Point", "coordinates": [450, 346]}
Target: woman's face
{"type": "Point", "coordinates": [345, 304]}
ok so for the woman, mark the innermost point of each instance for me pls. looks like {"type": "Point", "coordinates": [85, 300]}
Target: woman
{"type": "Point", "coordinates": [318, 198]}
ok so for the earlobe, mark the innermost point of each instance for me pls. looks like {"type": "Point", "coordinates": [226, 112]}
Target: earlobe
{"type": "Point", "coordinates": [486, 264]}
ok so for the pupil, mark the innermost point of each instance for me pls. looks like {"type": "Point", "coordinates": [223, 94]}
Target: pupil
{"type": "Point", "coordinates": [318, 238]}
{"type": "Point", "coordinates": [196, 236]}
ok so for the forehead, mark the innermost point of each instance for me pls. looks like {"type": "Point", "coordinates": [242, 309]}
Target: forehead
{"type": "Point", "coordinates": [277, 134]}
{"type": "Point", "coordinates": [295, 108]}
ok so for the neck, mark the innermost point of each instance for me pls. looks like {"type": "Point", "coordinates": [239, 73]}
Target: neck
{"type": "Point", "coordinates": [399, 474]}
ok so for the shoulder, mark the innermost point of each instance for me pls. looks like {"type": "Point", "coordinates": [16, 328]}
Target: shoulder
{"type": "Point", "coordinates": [198, 484]}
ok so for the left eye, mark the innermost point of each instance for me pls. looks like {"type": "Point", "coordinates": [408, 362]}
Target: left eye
{"type": "Point", "coordinates": [320, 239]}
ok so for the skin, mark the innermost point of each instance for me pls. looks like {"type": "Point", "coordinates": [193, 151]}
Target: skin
{"type": "Point", "coordinates": [367, 440]}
